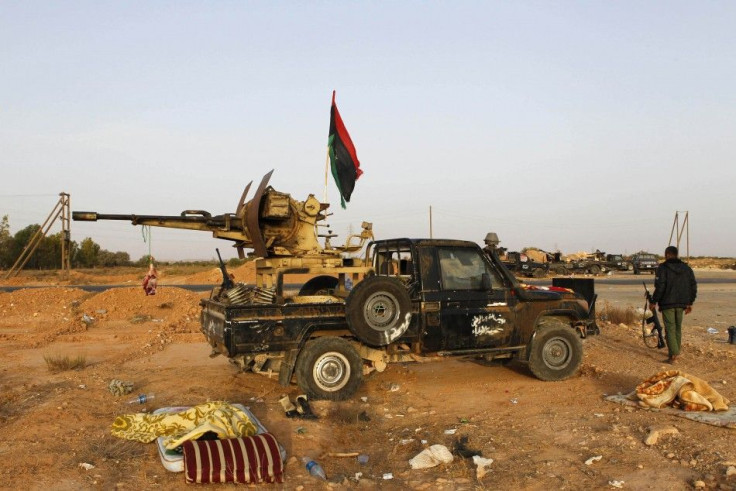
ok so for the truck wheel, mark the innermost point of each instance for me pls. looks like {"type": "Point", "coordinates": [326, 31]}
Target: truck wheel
{"type": "Point", "coordinates": [636, 270]}
{"type": "Point", "coordinates": [319, 285]}
{"type": "Point", "coordinates": [594, 270]}
{"type": "Point", "coordinates": [538, 273]}
{"type": "Point", "coordinates": [378, 310]}
{"type": "Point", "coordinates": [556, 352]}
{"type": "Point", "coordinates": [329, 368]}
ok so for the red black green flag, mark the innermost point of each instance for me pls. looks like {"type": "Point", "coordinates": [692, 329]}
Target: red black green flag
{"type": "Point", "coordinates": [343, 159]}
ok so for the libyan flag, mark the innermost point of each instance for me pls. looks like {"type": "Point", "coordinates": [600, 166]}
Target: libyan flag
{"type": "Point", "coordinates": [343, 160]}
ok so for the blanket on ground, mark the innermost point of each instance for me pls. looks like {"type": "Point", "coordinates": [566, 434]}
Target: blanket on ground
{"type": "Point", "coordinates": [221, 418]}
{"type": "Point", "coordinates": [680, 390]}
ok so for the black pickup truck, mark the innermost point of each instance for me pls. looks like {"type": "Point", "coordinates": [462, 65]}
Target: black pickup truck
{"type": "Point", "coordinates": [420, 298]}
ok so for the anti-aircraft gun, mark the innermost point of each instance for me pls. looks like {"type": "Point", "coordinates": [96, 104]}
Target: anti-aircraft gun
{"type": "Point", "coordinates": [281, 231]}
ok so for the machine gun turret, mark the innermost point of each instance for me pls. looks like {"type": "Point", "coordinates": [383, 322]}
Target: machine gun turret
{"type": "Point", "coordinates": [273, 224]}
{"type": "Point", "coordinates": [281, 231]}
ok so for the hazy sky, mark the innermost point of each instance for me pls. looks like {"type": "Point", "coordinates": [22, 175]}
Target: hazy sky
{"type": "Point", "coordinates": [570, 125]}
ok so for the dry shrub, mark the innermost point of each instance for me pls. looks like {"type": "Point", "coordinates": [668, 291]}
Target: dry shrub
{"type": "Point", "coordinates": [59, 363]}
{"type": "Point", "coordinates": [617, 315]}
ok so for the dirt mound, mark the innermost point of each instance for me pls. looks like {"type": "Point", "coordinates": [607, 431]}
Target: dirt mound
{"type": "Point", "coordinates": [29, 301]}
{"type": "Point", "coordinates": [170, 305]}
{"type": "Point", "coordinates": [243, 274]}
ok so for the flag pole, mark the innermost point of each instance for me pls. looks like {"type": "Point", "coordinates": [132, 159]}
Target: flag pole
{"type": "Point", "coordinates": [327, 166]}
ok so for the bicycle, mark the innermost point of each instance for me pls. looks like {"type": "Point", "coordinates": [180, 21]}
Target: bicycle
{"type": "Point", "coordinates": [652, 335]}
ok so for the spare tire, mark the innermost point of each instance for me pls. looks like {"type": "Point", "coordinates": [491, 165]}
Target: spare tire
{"type": "Point", "coordinates": [378, 310]}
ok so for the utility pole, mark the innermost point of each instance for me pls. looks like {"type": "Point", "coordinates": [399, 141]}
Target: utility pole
{"type": "Point", "coordinates": [60, 211]}
{"type": "Point", "coordinates": [430, 221]}
{"type": "Point", "coordinates": [678, 229]}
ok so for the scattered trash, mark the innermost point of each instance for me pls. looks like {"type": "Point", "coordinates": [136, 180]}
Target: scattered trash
{"type": "Point", "coordinates": [430, 457]}
{"type": "Point", "coordinates": [616, 484]}
{"type": "Point", "coordinates": [388, 476]}
{"type": "Point", "coordinates": [712, 330]}
{"type": "Point", "coordinates": [482, 465]}
{"type": "Point", "coordinates": [394, 387]}
{"type": "Point", "coordinates": [101, 311]}
{"type": "Point", "coordinates": [82, 386]}
{"type": "Point", "coordinates": [424, 442]}
{"type": "Point", "coordinates": [463, 420]}
{"type": "Point", "coordinates": [87, 319]}
{"type": "Point", "coordinates": [342, 454]}
{"type": "Point", "coordinates": [301, 430]}
{"type": "Point", "coordinates": [86, 466]}
{"type": "Point", "coordinates": [451, 431]}
{"type": "Point", "coordinates": [364, 399]}
{"type": "Point", "coordinates": [598, 415]}
{"type": "Point", "coordinates": [461, 448]}
{"type": "Point", "coordinates": [120, 388]}
{"type": "Point", "coordinates": [514, 401]}
{"type": "Point", "coordinates": [593, 459]}
{"type": "Point", "coordinates": [142, 399]}
{"type": "Point", "coordinates": [288, 406]}
{"type": "Point", "coordinates": [358, 475]}
{"type": "Point", "coordinates": [139, 319]}
{"type": "Point", "coordinates": [406, 441]}
{"type": "Point", "coordinates": [363, 416]}
{"type": "Point", "coordinates": [363, 459]}
{"type": "Point", "coordinates": [314, 468]}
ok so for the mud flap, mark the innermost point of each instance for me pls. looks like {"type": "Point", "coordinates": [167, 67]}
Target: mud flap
{"type": "Point", "coordinates": [287, 367]}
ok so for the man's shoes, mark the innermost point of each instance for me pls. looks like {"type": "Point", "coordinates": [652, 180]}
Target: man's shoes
{"type": "Point", "coordinates": [672, 359]}
{"type": "Point", "coordinates": [303, 408]}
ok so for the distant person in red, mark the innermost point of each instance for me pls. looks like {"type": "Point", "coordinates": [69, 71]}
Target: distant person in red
{"type": "Point", "coordinates": [150, 281]}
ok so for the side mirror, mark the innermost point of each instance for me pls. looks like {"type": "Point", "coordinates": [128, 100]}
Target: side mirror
{"type": "Point", "coordinates": [485, 281]}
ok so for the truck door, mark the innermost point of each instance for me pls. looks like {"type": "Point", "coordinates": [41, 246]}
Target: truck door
{"type": "Point", "coordinates": [475, 310]}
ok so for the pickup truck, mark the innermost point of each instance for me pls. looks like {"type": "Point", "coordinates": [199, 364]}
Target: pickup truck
{"type": "Point", "coordinates": [644, 261]}
{"type": "Point", "coordinates": [419, 298]}
{"type": "Point", "coordinates": [523, 265]}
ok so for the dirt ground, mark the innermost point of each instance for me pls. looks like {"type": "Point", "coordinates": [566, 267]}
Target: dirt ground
{"type": "Point", "coordinates": [539, 434]}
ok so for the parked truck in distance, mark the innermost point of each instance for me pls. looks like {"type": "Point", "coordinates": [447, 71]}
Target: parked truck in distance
{"type": "Point", "coordinates": [643, 261]}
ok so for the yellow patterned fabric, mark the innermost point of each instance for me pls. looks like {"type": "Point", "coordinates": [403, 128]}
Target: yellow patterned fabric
{"type": "Point", "coordinates": [222, 418]}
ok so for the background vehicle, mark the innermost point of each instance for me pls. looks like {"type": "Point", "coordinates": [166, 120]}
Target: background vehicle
{"type": "Point", "coordinates": [522, 265]}
{"type": "Point", "coordinates": [643, 261]}
{"type": "Point", "coordinates": [617, 262]}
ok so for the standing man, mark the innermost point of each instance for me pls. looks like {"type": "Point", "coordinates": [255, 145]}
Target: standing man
{"type": "Point", "coordinates": [674, 290]}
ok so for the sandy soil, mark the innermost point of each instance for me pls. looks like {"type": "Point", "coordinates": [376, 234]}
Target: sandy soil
{"type": "Point", "coordinates": [539, 434]}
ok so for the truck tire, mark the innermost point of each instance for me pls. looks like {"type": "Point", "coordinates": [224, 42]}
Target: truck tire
{"type": "Point", "coordinates": [594, 270]}
{"type": "Point", "coordinates": [556, 351]}
{"type": "Point", "coordinates": [378, 310]}
{"type": "Point", "coordinates": [329, 368]}
{"type": "Point", "coordinates": [636, 270]}
{"type": "Point", "coordinates": [319, 285]}
{"type": "Point", "coordinates": [539, 273]}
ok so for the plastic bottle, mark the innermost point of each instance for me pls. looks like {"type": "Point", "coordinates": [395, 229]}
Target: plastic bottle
{"type": "Point", "coordinates": [141, 399]}
{"type": "Point", "coordinates": [314, 468]}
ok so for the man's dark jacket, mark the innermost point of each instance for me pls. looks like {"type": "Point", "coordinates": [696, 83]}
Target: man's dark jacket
{"type": "Point", "coordinates": [674, 285]}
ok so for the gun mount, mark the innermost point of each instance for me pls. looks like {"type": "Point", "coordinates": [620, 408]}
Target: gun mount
{"type": "Point", "coordinates": [280, 230]}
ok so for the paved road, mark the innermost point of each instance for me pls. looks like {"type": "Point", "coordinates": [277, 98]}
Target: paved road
{"type": "Point", "coordinates": [710, 279]}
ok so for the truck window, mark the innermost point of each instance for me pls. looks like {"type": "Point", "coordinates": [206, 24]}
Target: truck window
{"type": "Point", "coordinates": [463, 269]}
{"type": "Point", "coordinates": [393, 262]}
